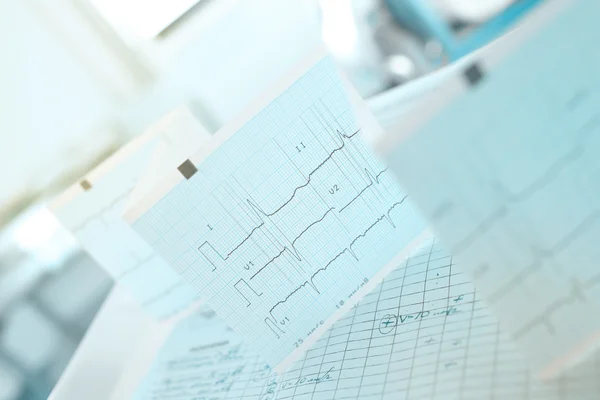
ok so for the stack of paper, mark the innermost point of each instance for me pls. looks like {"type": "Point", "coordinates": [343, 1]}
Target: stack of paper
{"type": "Point", "coordinates": [92, 210]}
{"type": "Point", "coordinates": [296, 236]}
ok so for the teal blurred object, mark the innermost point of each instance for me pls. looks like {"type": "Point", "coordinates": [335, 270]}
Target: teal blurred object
{"type": "Point", "coordinates": [418, 16]}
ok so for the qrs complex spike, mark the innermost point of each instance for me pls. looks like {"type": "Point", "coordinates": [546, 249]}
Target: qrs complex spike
{"type": "Point", "coordinates": [372, 181]}
{"type": "Point", "coordinates": [293, 249]}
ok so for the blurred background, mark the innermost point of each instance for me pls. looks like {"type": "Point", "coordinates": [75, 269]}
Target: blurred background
{"type": "Point", "coordinates": [79, 78]}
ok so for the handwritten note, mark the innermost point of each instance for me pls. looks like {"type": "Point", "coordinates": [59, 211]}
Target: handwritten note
{"type": "Point", "coordinates": [504, 163]}
{"type": "Point", "coordinates": [423, 333]}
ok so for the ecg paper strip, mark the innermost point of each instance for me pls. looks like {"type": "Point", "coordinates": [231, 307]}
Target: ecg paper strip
{"type": "Point", "coordinates": [422, 334]}
{"type": "Point", "coordinates": [94, 217]}
{"type": "Point", "coordinates": [512, 184]}
{"type": "Point", "coordinates": [287, 222]}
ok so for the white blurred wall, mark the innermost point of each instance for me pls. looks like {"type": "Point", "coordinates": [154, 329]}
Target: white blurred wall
{"type": "Point", "coordinates": [56, 95]}
{"type": "Point", "coordinates": [48, 100]}
{"type": "Point", "coordinates": [226, 63]}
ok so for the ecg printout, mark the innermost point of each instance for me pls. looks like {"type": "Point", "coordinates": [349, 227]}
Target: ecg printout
{"type": "Point", "coordinates": [288, 221]}
{"type": "Point", "coordinates": [422, 334]}
{"type": "Point", "coordinates": [512, 181]}
{"type": "Point", "coordinates": [93, 215]}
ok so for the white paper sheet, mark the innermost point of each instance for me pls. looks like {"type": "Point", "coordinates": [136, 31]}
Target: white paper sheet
{"type": "Point", "coordinates": [506, 169]}
{"type": "Point", "coordinates": [93, 215]}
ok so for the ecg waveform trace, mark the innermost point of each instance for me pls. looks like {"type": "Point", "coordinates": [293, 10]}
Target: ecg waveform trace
{"type": "Point", "coordinates": [292, 248]}
{"type": "Point", "coordinates": [271, 321]}
{"type": "Point", "coordinates": [260, 213]}
{"type": "Point", "coordinates": [291, 195]}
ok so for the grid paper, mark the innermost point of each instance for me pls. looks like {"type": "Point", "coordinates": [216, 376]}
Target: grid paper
{"type": "Point", "coordinates": [287, 220]}
{"type": "Point", "coordinates": [93, 216]}
{"type": "Point", "coordinates": [442, 343]}
{"type": "Point", "coordinates": [512, 184]}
